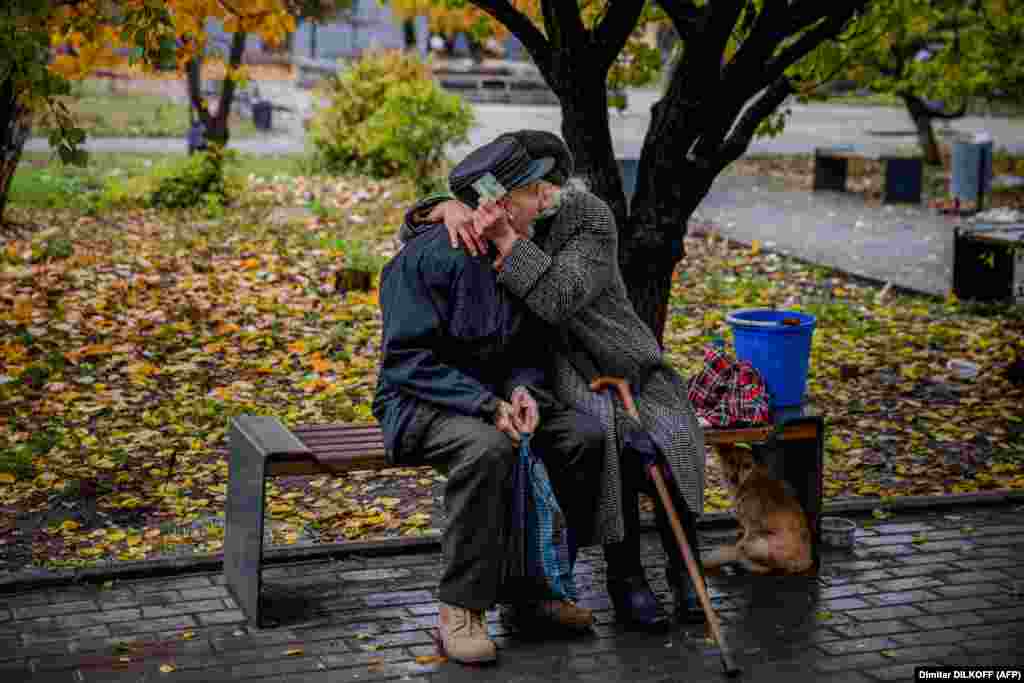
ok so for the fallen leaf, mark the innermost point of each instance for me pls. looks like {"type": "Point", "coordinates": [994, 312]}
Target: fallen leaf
{"type": "Point", "coordinates": [7, 478]}
{"type": "Point", "coordinates": [188, 635]}
{"type": "Point", "coordinates": [167, 668]}
{"type": "Point", "coordinates": [295, 651]}
{"type": "Point", "coordinates": [431, 659]}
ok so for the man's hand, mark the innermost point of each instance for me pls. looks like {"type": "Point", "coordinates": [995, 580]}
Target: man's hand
{"type": "Point", "coordinates": [526, 415]}
{"type": "Point", "coordinates": [504, 420]}
{"type": "Point", "coordinates": [492, 222]}
{"type": "Point", "coordinates": [458, 219]}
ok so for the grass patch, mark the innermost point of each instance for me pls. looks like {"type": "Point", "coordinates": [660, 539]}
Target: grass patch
{"type": "Point", "coordinates": [104, 112]}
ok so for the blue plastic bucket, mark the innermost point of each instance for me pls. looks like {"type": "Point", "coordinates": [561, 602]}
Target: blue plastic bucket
{"type": "Point", "coordinates": [780, 352]}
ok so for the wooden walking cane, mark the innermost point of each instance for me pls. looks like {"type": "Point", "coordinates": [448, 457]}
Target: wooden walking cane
{"type": "Point", "coordinates": [691, 565]}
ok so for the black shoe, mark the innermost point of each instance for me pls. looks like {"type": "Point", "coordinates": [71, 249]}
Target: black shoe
{"type": "Point", "coordinates": [636, 605]}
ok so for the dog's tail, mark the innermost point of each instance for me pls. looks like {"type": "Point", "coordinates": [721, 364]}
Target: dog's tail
{"type": "Point", "coordinates": [721, 555]}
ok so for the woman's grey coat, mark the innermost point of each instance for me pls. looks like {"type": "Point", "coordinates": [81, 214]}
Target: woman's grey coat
{"type": "Point", "coordinates": [571, 278]}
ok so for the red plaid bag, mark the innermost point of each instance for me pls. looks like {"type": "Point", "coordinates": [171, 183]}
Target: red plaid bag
{"type": "Point", "coordinates": [728, 392]}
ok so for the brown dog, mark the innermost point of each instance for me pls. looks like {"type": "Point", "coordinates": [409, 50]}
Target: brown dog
{"type": "Point", "coordinates": [774, 534]}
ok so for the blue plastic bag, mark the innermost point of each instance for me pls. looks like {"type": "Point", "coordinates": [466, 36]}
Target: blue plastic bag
{"type": "Point", "coordinates": [539, 565]}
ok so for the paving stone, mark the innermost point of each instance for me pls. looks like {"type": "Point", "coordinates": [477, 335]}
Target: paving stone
{"type": "Point", "coordinates": [930, 558]}
{"type": "Point", "coordinates": [958, 605]}
{"type": "Point", "coordinates": [844, 591]}
{"type": "Point", "coordinates": [227, 616]}
{"type": "Point", "coordinates": [873, 628]}
{"type": "Point", "coordinates": [1005, 614]}
{"type": "Point", "coordinates": [848, 662]}
{"type": "Point", "coordinates": [53, 610]}
{"type": "Point", "coordinates": [981, 576]}
{"type": "Point", "coordinates": [919, 570]}
{"type": "Point", "coordinates": [205, 593]}
{"type": "Point", "coordinates": [57, 635]}
{"type": "Point", "coordinates": [880, 613]}
{"type": "Point", "coordinates": [970, 590]}
{"type": "Point", "coordinates": [73, 621]}
{"type": "Point", "coordinates": [931, 637]}
{"type": "Point", "coordinates": [883, 551]}
{"type": "Point", "coordinates": [171, 584]}
{"type": "Point", "coordinates": [843, 604]}
{"type": "Point", "coordinates": [938, 546]}
{"type": "Point", "coordinates": [161, 624]}
{"type": "Point", "coordinates": [286, 665]}
{"type": "Point", "coordinates": [885, 540]}
{"type": "Point", "coordinates": [982, 564]}
{"type": "Point", "coordinates": [857, 645]}
{"type": "Point", "coordinates": [899, 598]}
{"type": "Point", "coordinates": [5, 615]}
{"type": "Point", "coordinates": [855, 566]}
{"type": "Point", "coordinates": [908, 584]}
{"type": "Point", "coordinates": [195, 606]}
{"type": "Point", "coordinates": [1005, 645]}
{"type": "Point", "coordinates": [941, 621]}
{"type": "Point", "coordinates": [903, 528]}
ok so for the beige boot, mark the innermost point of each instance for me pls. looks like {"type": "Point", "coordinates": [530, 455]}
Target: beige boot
{"type": "Point", "coordinates": [464, 635]}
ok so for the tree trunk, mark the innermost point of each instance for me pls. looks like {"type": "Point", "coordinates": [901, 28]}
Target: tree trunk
{"type": "Point", "coordinates": [15, 125]}
{"type": "Point", "coordinates": [217, 131]}
{"type": "Point", "coordinates": [922, 118]}
{"type": "Point", "coordinates": [409, 33]}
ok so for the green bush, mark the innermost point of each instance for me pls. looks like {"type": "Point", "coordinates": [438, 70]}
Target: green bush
{"type": "Point", "coordinates": [200, 180]}
{"type": "Point", "coordinates": [387, 117]}
{"type": "Point", "coordinates": [357, 254]}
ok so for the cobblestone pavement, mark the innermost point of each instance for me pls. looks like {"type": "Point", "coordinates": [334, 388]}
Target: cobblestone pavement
{"type": "Point", "coordinates": [933, 587]}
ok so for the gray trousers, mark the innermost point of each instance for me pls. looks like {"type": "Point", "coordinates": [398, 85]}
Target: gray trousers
{"type": "Point", "coordinates": [478, 460]}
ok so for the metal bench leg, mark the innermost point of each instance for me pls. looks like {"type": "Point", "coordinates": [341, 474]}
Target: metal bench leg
{"type": "Point", "coordinates": [253, 442]}
{"type": "Point", "coordinates": [243, 534]}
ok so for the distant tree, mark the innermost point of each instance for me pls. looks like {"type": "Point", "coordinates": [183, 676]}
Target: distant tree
{"type": "Point", "coordinates": [935, 55]}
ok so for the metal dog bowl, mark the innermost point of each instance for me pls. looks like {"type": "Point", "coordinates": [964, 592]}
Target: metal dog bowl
{"type": "Point", "coordinates": [837, 531]}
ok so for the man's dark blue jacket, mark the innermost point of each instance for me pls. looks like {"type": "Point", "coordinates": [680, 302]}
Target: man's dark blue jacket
{"type": "Point", "coordinates": [453, 340]}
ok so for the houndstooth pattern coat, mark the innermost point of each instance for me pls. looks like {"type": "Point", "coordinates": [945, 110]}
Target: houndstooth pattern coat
{"type": "Point", "coordinates": [570, 277]}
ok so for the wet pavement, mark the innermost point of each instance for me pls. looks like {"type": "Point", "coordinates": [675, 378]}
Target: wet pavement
{"type": "Point", "coordinates": [908, 245]}
{"type": "Point", "coordinates": [933, 587]}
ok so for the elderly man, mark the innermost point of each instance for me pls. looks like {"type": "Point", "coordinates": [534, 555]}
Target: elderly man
{"type": "Point", "coordinates": [462, 375]}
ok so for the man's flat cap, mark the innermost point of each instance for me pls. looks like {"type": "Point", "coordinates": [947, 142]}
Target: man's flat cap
{"type": "Point", "coordinates": [541, 143]}
{"type": "Point", "coordinates": [506, 159]}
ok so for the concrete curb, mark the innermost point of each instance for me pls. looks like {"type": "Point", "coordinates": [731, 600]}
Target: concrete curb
{"type": "Point", "coordinates": [33, 580]}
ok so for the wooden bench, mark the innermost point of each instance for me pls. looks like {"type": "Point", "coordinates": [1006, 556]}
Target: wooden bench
{"type": "Point", "coordinates": [903, 173]}
{"type": "Point", "coordinates": [262, 447]}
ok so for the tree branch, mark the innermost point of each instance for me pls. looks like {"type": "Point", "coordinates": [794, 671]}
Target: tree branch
{"type": "Point", "coordinates": [611, 34]}
{"type": "Point", "coordinates": [522, 28]}
{"type": "Point", "coordinates": [736, 144]}
{"type": "Point", "coordinates": [825, 30]}
{"type": "Point", "coordinates": [684, 15]}
{"type": "Point", "coordinates": [563, 22]}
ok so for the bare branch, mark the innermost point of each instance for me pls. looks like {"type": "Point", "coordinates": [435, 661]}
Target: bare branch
{"type": "Point", "coordinates": [522, 28]}
{"type": "Point", "coordinates": [611, 34]}
{"type": "Point", "coordinates": [736, 144]}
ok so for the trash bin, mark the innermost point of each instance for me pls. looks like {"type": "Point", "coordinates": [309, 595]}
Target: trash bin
{"type": "Point", "coordinates": [261, 114]}
{"type": "Point", "coordinates": [988, 262]}
{"type": "Point", "coordinates": [972, 168]}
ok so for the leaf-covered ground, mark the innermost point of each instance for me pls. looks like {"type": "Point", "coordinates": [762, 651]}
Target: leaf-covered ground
{"type": "Point", "coordinates": [127, 340]}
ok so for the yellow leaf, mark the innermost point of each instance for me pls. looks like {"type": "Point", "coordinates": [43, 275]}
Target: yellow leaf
{"type": "Point", "coordinates": [280, 508]}
{"type": "Point", "coordinates": [755, 247]}
{"type": "Point", "coordinates": [116, 535]}
{"type": "Point", "coordinates": [69, 525]}
{"type": "Point", "coordinates": [7, 478]}
{"type": "Point", "coordinates": [91, 552]}
{"type": "Point", "coordinates": [166, 668]}
{"type": "Point", "coordinates": [294, 652]}
{"type": "Point", "coordinates": [188, 635]}
{"type": "Point", "coordinates": [431, 659]}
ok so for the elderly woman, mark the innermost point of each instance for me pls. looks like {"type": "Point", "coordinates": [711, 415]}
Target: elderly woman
{"type": "Point", "coordinates": [557, 250]}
